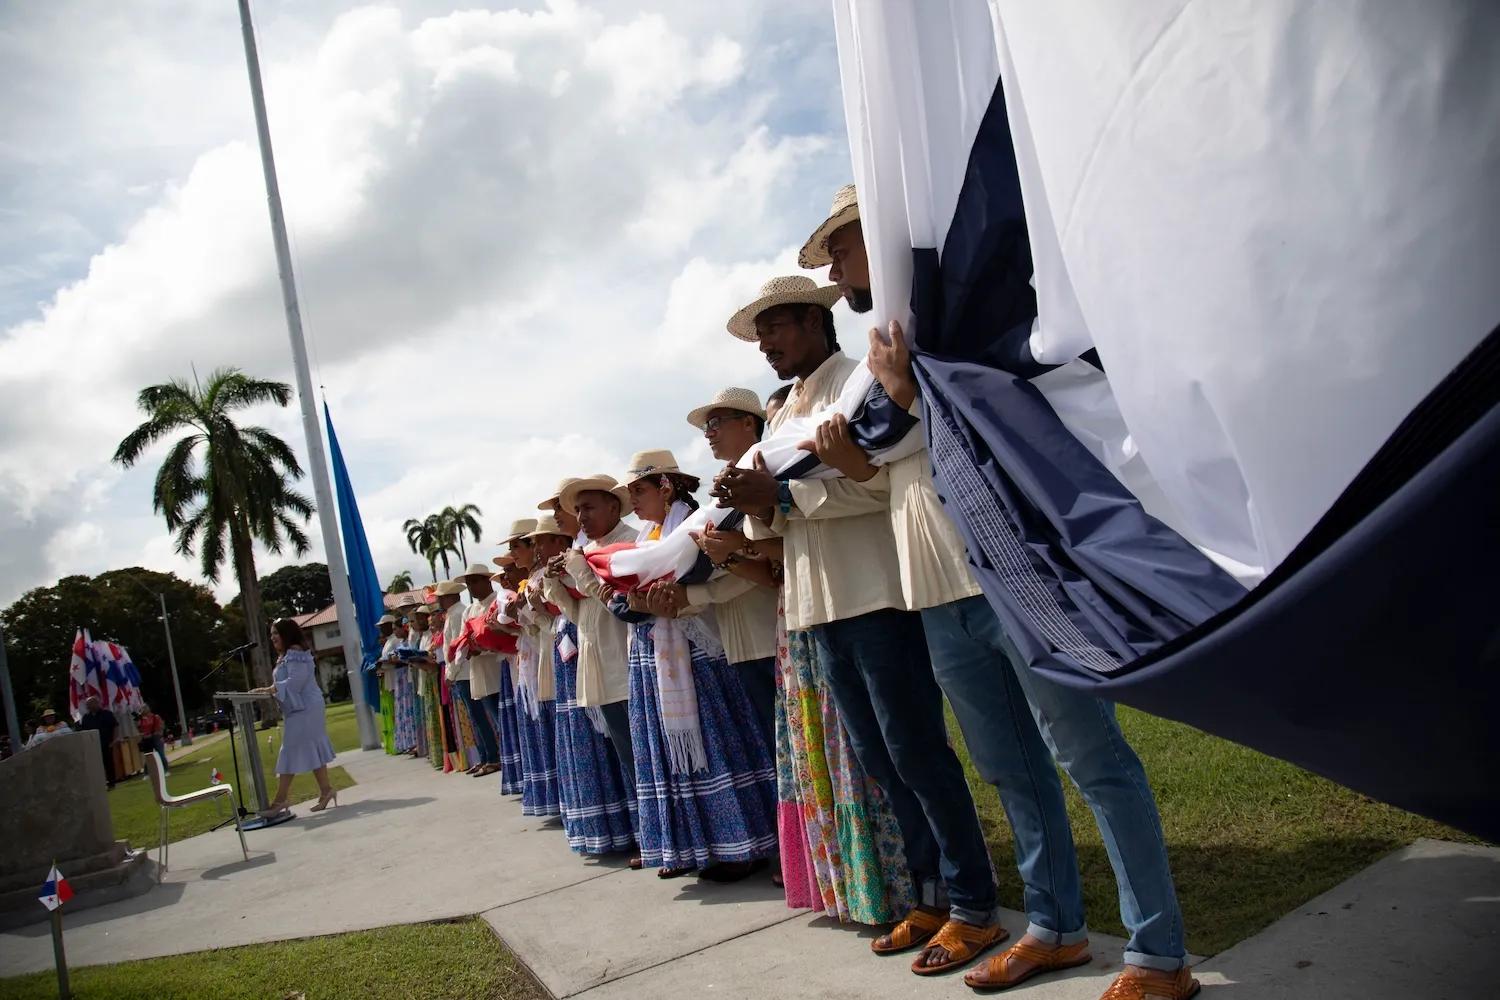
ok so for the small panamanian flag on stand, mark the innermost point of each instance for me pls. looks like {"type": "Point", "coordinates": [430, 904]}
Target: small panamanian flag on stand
{"type": "Point", "coordinates": [55, 891]}
{"type": "Point", "coordinates": [215, 777]}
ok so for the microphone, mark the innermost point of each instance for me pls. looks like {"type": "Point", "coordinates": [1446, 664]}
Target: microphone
{"type": "Point", "coordinates": [242, 649]}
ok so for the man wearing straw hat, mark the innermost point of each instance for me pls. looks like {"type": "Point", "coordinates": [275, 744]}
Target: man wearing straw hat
{"type": "Point", "coordinates": [603, 655]}
{"type": "Point", "coordinates": [1009, 716]}
{"type": "Point", "coordinates": [484, 669]}
{"type": "Point", "coordinates": [842, 584]}
{"type": "Point", "coordinates": [456, 672]}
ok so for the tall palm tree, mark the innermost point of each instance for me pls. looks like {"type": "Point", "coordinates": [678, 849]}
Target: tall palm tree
{"type": "Point", "coordinates": [400, 583]}
{"type": "Point", "coordinates": [223, 487]}
{"type": "Point", "coordinates": [422, 536]}
{"type": "Point", "coordinates": [458, 520]}
{"type": "Point", "coordinates": [439, 551]}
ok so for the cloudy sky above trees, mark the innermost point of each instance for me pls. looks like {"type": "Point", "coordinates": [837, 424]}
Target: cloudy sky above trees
{"type": "Point", "coordinates": [518, 231]}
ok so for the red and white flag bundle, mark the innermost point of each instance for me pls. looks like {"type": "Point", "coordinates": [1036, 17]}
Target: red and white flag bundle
{"type": "Point", "coordinates": [85, 676]}
{"type": "Point", "coordinates": [215, 777]}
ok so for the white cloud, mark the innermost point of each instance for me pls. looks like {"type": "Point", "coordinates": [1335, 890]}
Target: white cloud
{"type": "Point", "coordinates": [518, 236]}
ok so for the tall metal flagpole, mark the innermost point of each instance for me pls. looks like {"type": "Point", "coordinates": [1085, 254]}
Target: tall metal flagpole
{"type": "Point", "coordinates": [333, 550]}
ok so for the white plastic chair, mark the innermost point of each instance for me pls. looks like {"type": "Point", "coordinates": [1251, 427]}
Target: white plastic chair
{"type": "Point", "coordinates": [167, 802]}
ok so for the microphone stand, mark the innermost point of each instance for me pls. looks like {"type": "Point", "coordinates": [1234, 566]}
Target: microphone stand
{"type": "Point", "coordinates": [234, 751]}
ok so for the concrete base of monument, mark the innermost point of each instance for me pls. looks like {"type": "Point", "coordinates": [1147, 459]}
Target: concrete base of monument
{"type": "Point", "coordinates": [54, 809]}
{"type": "Point", "coordinates": [128, 873]}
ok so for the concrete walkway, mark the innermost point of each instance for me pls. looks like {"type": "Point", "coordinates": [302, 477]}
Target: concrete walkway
{"type": "Point", "coordinates": [408, 845]}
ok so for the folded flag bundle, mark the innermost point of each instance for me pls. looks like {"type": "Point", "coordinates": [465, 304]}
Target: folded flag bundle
{"type": "Point", "coordinates": [476, 637]}
{"type": "Point", "coordinates": [55, 891]}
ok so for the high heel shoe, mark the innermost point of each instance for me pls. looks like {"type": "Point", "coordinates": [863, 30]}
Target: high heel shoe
{"type": "Point", "coordinates": [324, 800]}
{"type": "Point", "coordinates": [274, 810]}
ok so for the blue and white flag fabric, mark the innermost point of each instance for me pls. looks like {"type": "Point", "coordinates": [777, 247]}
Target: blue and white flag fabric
{"type": "Point", "coordinates": [1201, 304]}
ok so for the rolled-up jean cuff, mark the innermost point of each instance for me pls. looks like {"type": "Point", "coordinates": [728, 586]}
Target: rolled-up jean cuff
{"type": "Point", "coordinates": [1046, 936]}
{"type": "Point", "coordinates": [931, 892]}
{"type": "Point", "coordinates": [979, 918]}
{"type": "Point", "coordinates": [1154, 961]}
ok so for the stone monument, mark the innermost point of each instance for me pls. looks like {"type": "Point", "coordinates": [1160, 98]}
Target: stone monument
{"type": "Point", "coordinates": [54, 807]}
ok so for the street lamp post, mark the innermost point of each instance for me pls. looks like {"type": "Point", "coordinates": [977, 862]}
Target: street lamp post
{"type": "Point", "coordinates": [185, 736]}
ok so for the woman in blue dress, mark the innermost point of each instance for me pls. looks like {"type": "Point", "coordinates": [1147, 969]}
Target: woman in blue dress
{"type": "Point", "coordinates": [304, 733]}
{"type": "Point", "coordinates": [705, 778]}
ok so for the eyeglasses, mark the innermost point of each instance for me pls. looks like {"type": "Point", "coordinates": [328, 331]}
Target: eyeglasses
{"type": "Point", "coordinates": [714, 423]}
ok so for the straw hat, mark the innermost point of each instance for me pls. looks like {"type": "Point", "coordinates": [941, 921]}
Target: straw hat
{"type": "Point", "coordinates": [502, 560]}
{"type": "Point", "coordinates": [733, 398]}
{"type": "Point", "coordinates": [475, 569]}
{"type": "Point", "coordinates": [547, 525]}
{"type": "Point", "coordinates": [386, 620]}
{"type": "Point", "coordinates": [449, 587]}
{"type": "Point", "coordinates": [519, 528]}
{"type": "Point", "coordinates": [556, 496]}
{"type": "Point", "coordinates": [650, 463]}
{"type": "Point", "coordinates": [601, 481]}
{"type": "Point", "coordinates": [814, 252]}
{"type": "Point", "coordinates": [793, 289]}
{"type": "Point", "coordinates": [428, 609]}
{"type": "Point", "coordinates": [409, 601]}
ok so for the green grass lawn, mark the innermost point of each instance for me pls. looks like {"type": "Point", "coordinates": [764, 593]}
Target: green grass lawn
{"type": "Point", "coordinates": [459, 960]}
{"type": "Point", "coordinates": [135, 812]}
{"type": "Point", "coordinates": [1250, 837]}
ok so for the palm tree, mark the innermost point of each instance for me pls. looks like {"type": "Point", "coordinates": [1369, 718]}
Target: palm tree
{"type": "Point", "coordinates": [223, 487]}
{"type": "Point", "coordinates": [458, 520]}
{"type": "Point", "coordinates": [422, 536]}
{"type": "Point", "coordinates": [400, 582]}
{"type": "Point", "coordinates": [439, 551]}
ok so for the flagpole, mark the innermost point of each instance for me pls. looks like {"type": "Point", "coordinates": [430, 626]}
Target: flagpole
{"type": "Point", "coordinates": [338, 573]}
{"type": "Point", "coordinates": [59, 957]}
{"type": "Point", "coordinates": [8, 694]}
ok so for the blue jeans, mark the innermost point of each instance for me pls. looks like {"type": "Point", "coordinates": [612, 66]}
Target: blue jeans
{"type": "Point", "coordinates": [617, 725]}
{"type": "Point", "coordinates": [880, 677]}
{"type": "Point", "coordinates": [480, 720]}
{"type": "Point", "coordinates": [758, 678]}
{"type": "Point", "coordinates": [1015, 723]}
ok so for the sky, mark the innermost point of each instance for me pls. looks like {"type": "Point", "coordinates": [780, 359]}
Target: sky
{"type": "Point", "coordinates": [518, 231]}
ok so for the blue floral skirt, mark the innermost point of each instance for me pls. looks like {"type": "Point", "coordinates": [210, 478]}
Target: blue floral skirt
{"type": "Point", "coordinates": [509, 735]}
{"type": "Point", "coordinates": [723, 813]}
{"type": "Point", "coordinates": [539, 791]}
{"type": "Point", "coordinates": [408, 711]}
{"type": "Point", "coordinates": [598, 815]}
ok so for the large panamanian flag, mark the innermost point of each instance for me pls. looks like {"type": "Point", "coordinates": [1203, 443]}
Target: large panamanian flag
{"type": "Point", "coordinates": [1204, 317]}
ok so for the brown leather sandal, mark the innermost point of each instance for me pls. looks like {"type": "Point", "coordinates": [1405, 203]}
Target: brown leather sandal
{"type": "Point", "coordinates": [1023, 960]}
{"type": "Point", "coordinates": [963, 943]}
{"type": "Point", "coordinates": [914, 929]}
{"type": "Point", "coordinates": [1137, 983]}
